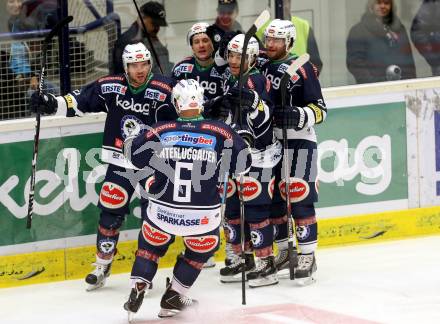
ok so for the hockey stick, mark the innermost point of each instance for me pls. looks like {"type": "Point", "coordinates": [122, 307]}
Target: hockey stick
{"type": "Point", "coordinates": [55, 30]}
{"type": "Point", "coordinates": [156, 57]}
{"type": "Point", "coordinates": [259, 22]}
{"type": "Point", "coordinates": [291, 249]}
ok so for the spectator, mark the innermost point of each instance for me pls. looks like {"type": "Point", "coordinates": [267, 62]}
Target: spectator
{"type": "Point", "coordinates": [227, 11]}
{"type": "Point", "coordinates": [425, 33]}
{"type": "Point", "coordinates": [154, 17]}
{"type": "Point", "coordinates": [378, 47]}
{"type": "Point", "coordinates": [13, 8]}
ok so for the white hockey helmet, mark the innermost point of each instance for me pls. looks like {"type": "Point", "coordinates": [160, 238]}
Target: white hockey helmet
{"type": "Point", "coordinates": [195, 29]}
{"type": "Point", "coordinates": [187, 94]}
{"type": "Point", "coordinates": [134, 53]}
{"type": "Point", "coordinates": [252, 51]}
{"type": "Point", "coordinates": [282, 29]}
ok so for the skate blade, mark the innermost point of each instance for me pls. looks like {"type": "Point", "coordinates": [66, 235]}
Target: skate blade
{"type": "Point", "coordinates": [283, 274]}
{"type": "Point", "coordinates": [261, 282]}
{"type": "Point", "coordinates": [163, 313]}
{"type": "Point", "coordinates": [94, 287]}
{"type": "Point", "coordinates": [230, 279]}
{"type": "Point", "coordinates": [130, 316]}
{"type": "Point", "coordinates": [303, 282]}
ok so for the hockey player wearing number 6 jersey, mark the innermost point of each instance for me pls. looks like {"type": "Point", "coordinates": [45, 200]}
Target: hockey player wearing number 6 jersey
{"type": "Point", "coordinates": [304, 108]}
{"type": "Point", "coordinates": [256, 119]}
{"type": "Point", "coordinates": [132, 101]}
{"type": "Point", "coordinates": [185, 157]}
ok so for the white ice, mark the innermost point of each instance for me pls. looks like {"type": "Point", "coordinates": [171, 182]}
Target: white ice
{"type": "Point", "coordinates": [392, 282]}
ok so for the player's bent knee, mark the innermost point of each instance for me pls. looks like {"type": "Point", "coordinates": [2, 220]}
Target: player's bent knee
{"type": "Point", "coordinates": [111, 221]}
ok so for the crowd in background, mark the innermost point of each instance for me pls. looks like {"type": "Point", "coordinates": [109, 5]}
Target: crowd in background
{"type": "Point", "coordinates": [378, 46]}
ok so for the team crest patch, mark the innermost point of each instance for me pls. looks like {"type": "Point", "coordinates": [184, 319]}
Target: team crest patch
{"type": "Point", "coordinates": [214, 73]}
{"type": "Point", "coordinates": [257, 238]}
{"type": "Point", "coordinates": [106, 246]}
{"type": "Point", "coordinates": [302, 232]}
{"type": "Point", "coordinates": [230, 232]}
{"type": "Point", "coordinates": [131, 126]}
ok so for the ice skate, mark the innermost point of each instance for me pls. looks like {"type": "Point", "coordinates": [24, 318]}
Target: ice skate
{"type": "Point", "coordinates": [230, 255]}
{"type": "Point", "coordinates": [306, 268]}
{"type": "Point", "coordinates": [282, 264]}
{"type": "Point", "coordinates": [210, 263]}
{"type": "Point", "coordinates": [172, 303]}
{"type": "Point", "coordinates": [232, 273]}
{"type": "Point", "coordinates": [135, 299]}
{"type": "Point", "coordinates": [96, 279]}
{"type": "Point", "coordinates": [265, 274]}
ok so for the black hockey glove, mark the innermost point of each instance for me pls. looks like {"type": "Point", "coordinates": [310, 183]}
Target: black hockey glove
{"type": "Point", "coordinates": [217, 108]}
{"type": "Point", "coordinates": [44, 103]}
{"type": "Point", "coordinates": [290, 117]}
{"type": "Point", "coordinates": [245, 133]}
{"type": "Point", "coordinates": [250, 100]}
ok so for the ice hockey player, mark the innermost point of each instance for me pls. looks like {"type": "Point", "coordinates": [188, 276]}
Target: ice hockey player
{"type": "Point", "coordinates": [256, 119]}
{"type": "Point", "coordinates": [132, 101]}
{"type": "Point", "coordinates": [183, 197]}
{"type": "Point", "coordinates": [201, 66]}
{"type": "Point", "coordinates": [305, 108]}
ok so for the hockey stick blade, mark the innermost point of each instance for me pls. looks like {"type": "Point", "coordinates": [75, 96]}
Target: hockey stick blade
{"type": "Point", "coordinates": [293, 67]}
{"type": "Point", "coordinates": [259, 22]}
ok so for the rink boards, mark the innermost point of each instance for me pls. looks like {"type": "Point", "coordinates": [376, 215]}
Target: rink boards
{"type": "Point", "coordinates": [378, 158]}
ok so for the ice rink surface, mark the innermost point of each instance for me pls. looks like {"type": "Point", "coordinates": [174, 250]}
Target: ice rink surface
{"type": "Point", "coordinates": [392, 282]}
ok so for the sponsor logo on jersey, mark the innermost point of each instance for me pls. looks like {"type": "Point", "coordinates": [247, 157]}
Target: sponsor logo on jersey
{"type": "Point", "coordinates": [271, 187]}
{"type": "Point", "coordinates": [230, 191]}
{"type": "Point", "coordinates": [218, 130]}
{"type": "Point", "coordinates": [155, 131]}
{"type": "Point", "coordinates": [140, 108]}
{"type": "Point", "coordinates": [162, 85]}
{"type": "Point", "coordinates": [183, 68]}
{"type": "Point", "coordinates": [119, 143]}
{"type": "Point", "coordinates": [282, 68]}
{"type": "Point", "coordinates": [210, 87]}
{"type": "Point", "coordinates": [188, 139]}
{"type": "Point", "coordinates": [298, 189]}
{"type": "Point", "coordinates": [154, 236]}
{"type": "Point", "coordinates": [155, 95]}
{"type": "Point", "coordinates": [214, 73]}
{"type": "Point", "coordinates": [112, 196]}
{"type": "Point", "coordinates": [257, 238]}
{"type": "Point", "coordinates": [113, 88]}
{"type": "Point", "coordinates": [111, 78]}
{"type": "Point", "coordinates": [201, 244]}
{"type": "Point", "coordinates": [149, 183]}
{"type": "Point", "coordinates": [172, 218]}
{"type": "Point", "coordinates": [250, 84]}
{"type": "Point", "coordinates": [106, 246]}
{"type": "Point", "coordinates": [131, 126]}
{"type": "Point", "coordinates": [251, 188]}
{"type": "Point", "coordinates": [317, 112]}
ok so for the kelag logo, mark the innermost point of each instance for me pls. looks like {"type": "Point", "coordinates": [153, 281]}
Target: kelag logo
{"type": "Point", "coordinates": [188, 139]}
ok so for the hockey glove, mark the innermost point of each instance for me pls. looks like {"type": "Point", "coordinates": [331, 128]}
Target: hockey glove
{"type": "Point", "coordinates": [250, 100]}
{"type": "Point", "coordinates": [290, 117]}
{"type": "Point", "coordinates": [44, 103]}
{"type": "Point", "coordinates": [217, 108]}
{"type": "Point", "coordinates": [245, 133]}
